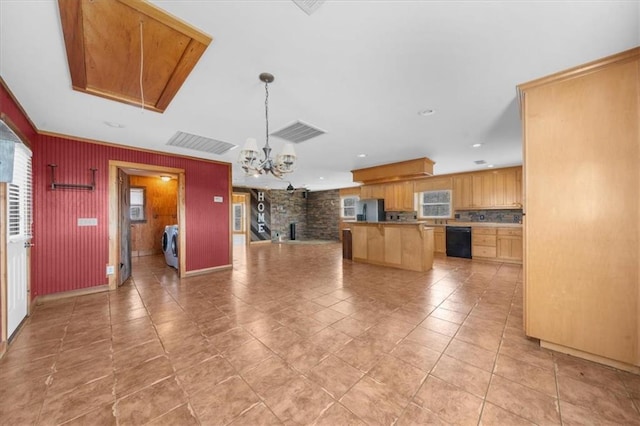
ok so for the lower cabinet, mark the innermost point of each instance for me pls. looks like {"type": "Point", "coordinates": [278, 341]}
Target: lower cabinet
{"type": "Point", "coordinates": [439, 240]}
{"type": "Point", "coordinates": [509, 245]}
{"type": "Point", "coordinates": [497, 244]}
{"type": "Point", "coordinates": [483, 242]}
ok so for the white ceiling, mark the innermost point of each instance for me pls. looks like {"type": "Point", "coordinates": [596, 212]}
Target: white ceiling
{"type": "Point", "coordinates": [360, 70]}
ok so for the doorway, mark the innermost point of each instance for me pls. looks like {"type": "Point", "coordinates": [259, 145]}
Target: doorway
{"type": "Point", "coordinates": [155, 199]}
{"type": "Point", "coordinates": [240, 209]}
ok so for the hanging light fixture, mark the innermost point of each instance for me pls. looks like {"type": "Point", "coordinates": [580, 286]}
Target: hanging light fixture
{"type": "Point", "coordinates": [249, 157]}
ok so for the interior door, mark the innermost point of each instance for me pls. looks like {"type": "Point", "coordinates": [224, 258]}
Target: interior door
{"type": "Point", "coordinates": [19, 215]}
{"type": "Point", "coordinates": [125, 227]}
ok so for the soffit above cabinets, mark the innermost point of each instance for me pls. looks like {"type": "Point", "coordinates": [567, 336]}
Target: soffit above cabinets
{"type": "Point", "coordinates": [108, 42]}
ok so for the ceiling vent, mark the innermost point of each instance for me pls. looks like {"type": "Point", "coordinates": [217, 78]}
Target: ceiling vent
{"type": "Point", "coordinates": [309, 6]}
{"type": "Point", "coordinates": [479, 162]}
{"type": "Point", "coordinates": [200, 143]}
{"type": "Point", "coordinates": [298, 132]}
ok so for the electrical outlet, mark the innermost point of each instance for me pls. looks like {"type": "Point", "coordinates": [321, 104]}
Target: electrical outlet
{"type": "Point", "coordinates": [111, 270]}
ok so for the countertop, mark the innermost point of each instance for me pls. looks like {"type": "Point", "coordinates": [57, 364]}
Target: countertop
{"type": "Point", "coordinates": [439, 225]}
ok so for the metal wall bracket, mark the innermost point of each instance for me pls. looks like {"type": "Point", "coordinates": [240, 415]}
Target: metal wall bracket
{"type": "Point", "coordinates": [56, 185]}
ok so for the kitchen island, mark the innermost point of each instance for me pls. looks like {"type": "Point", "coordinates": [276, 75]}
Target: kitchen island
{"type": "Point", "coordinates": [404, 245]}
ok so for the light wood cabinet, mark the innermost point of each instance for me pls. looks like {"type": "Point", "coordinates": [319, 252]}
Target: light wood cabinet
{"type": "Point", "coordinates": [399, 197]}
{"type": "Point", "coordinates": [439, 240]}
{"type": "Point", "coordinates": [496, 189]}
{"type": "Point", "coordinates": [483, 242]}
{"type": "Point", "coordinates": [368, 192]}
{"type": "Point", "coordinates": [405, 246]}
{"type": "Point", "coordinates": [582, 173]}
{"type": "Point", "coordinates": [482, 189]}
{"type": "Point", "coordinates": [509, 245]}
{"type": "Point", "coordinates": [462, 192]}
{"type": "Point", "coordinates": [508, 188]}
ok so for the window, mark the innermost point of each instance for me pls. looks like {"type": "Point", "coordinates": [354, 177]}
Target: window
{"type": "Point", "coordinates": [137, 204]}
{"type": "Point", "coordinates": [435, 204]}
{"type": "Point", "coordinates": [348, 207]}
{"type": "Point", "coordinates": [238, 217]}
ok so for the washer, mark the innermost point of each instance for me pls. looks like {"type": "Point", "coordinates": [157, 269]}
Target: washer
{"type": "Point", "coordinates": [170, 245]}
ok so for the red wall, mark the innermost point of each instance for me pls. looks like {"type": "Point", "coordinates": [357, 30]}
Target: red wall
{"type": "Point", "coordinates": [67, 257]}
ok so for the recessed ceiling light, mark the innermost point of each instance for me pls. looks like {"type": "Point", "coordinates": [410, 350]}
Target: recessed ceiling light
{"type": "Point", "coordinates": [114, 124]}
{"type": "Point", "coordinates": [426, 112]}
{"type": "Point", "coordinates": [476, 145]}
{"type": "Point", "coordinates": [321, 177]}
{"type": "Point", "coordinates": [362, 155]}
{"type": "Point", "coordinates": [490, 165]}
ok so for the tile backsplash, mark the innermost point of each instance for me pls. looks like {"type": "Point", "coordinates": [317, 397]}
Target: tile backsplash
{"type": "Point", "coordinates": [401, 216]}
{"type": "Point", "coordinates": [496, 216]}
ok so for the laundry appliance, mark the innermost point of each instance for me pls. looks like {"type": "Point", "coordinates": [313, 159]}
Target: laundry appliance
{"type": "Point", "coordinates": [170, 245]}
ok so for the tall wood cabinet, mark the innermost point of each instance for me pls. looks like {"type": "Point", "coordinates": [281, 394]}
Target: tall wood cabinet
{"type": "Point", "coordinates": [582, 206]}
{"type": "Point", "coordinates": [495, 189]}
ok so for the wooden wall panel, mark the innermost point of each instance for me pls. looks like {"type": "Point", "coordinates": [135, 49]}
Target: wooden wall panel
{"type": "Point", "coordinates": [161, 210]}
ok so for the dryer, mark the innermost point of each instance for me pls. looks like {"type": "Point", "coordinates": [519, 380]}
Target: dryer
{"type": "Point", "coordinates": [170, 245]}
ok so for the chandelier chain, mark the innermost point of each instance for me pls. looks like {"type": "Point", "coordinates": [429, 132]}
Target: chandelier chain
{"type": "Point", "coordinates": [266, 111]}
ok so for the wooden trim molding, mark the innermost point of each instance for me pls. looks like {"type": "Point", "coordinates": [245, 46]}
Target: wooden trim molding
{"type": "Point", "coordinates": [114, 235]}
{"type": "Point", "coordinates": [206, 271]}
{"type": "Point", "coordinates": [581, 70]}
{"type": "Point", "coordinates": [71, 293]}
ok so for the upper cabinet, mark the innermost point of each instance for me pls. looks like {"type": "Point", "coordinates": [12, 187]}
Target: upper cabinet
{"type": "Point", "coordinates": [368, 192]}
{"type": "Point", "coordinates": [496, 189]}
{"type": "Point", "coordinates": [399, 197]}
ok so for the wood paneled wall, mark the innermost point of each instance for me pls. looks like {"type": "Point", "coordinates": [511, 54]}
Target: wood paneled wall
{"type": "Point", "coordinates": [68, 257]}
{"type": "Point", "coordinates": [161, 210]}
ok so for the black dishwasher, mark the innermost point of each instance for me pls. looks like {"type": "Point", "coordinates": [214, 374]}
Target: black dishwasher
{"type": "Point", "coordinates": [459, 241]}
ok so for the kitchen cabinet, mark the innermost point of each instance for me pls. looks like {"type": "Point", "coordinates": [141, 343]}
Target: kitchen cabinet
{"type": "Point", "coordinates": [399, 197]}
{"type": "Point", "coordinates": [482, 189]}
{"type": "Point", "coordinates": [439, 240]}
{"type": "Point", "coordinates": [399, 245]}
{"type": "Point", "coordinates": [496, 189]}
{"type": "Point", "coordinates": [483, 242]}
{"type": "Point", "coordinates": [462, 192]}
{"type": "Point", "coordinates": [368, 192]}
{"type": "Point", "coordinates": [581, 173]}
{"type": "Point", "coordinates": [359, 242]}
{"type": "Point", "coordinates": [508, 188]}
{"type": "Point", "coordinates": [509, 245]}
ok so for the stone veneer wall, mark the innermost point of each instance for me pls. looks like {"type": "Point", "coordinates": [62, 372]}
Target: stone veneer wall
{"type": "Point", "coordinates": [317, 217]}
{"type": "Point", "coordinates": [286, 209]}
{"type": "Point", "coordinates": [323, 215]}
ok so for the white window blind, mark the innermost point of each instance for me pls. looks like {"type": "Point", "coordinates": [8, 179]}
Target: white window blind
{"type": "Point", "coordinates": [20, 198]}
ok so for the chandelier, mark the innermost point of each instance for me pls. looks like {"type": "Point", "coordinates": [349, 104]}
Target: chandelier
{"type": "Point", "coordinates": [249, 157]}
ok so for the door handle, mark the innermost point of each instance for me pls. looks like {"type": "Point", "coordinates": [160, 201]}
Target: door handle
{"type": "Point", "coordinates": [27, 244]}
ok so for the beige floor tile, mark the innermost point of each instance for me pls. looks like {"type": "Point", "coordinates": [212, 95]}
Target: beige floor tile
{"type": "Point", "coordinates": [494, 415]}
{"type": "Point", "coordinates": [247, 347]}
{"type": "Point", "coordinates": [258, 415]}
{"type": "Point", "coordinates": [298, 401]}
{"type": "Point", "coordinates": [540, 379]}
{"type": "Point", "coordinates": [374, 402]}
{"type": "Point", "coordinates": [523, 401]}
{"type": "Point", "coordinates": [335, 376]}
{"type": "Point", "coordinates": [449, 402]}
{"type": "Point", "coordinates": [416, 415]}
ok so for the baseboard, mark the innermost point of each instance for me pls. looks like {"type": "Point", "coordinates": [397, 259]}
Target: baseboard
{"type": "Point", "coordinates": [590, 357]}
{"type": "Point", "coordinates": [71, 293]}
{"type": "Point", "coordinates": [3, 349]}
{"type": "Point", "coordinates": [260, 242]}
{"type": "Point", "coordinates": [205, 271]}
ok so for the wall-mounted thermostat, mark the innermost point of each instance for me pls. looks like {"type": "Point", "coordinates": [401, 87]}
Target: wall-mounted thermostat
{"type": "Point", "coordinates": [217, 199]}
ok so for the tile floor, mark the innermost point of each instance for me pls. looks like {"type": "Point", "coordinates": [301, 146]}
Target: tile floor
{"type": "Point", "coordinates": [292, 335]}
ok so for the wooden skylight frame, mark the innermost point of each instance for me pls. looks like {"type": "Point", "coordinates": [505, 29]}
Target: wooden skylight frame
{"type": "Point", "coordinates": [103, 42]}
